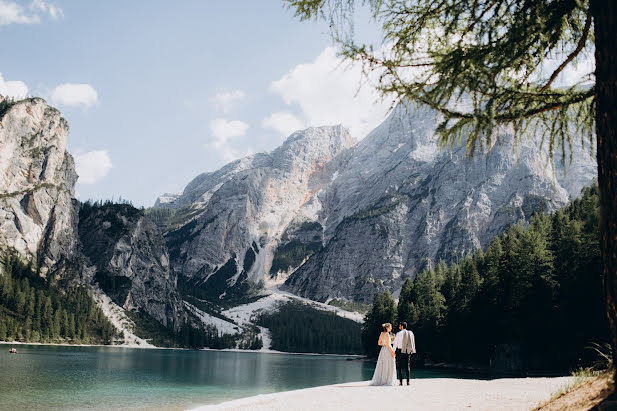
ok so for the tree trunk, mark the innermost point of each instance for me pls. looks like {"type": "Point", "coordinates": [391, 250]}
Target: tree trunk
{"type": "Point", "coordinates": [605, 25]}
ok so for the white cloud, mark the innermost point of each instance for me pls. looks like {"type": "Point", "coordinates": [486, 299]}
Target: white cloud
{"type": "Point", "coordinates": [331, 91]}
{"type": "Point", "coordinates": [13, 13]}
{"type": "Point", "coordinates": [70, 94]}
{"type": "Point", "coordinates": [54, 11]}
{"type": "Point", "coordinates": [224, 101]}
{"type": "Point", "coordinates": [92, 166]}
{"type": "Point", "coordinates": [14, 89]}
{"type": "Point", "coordinates": [223, 131]}
{"type": "Point", "coordinates": [284, 122]}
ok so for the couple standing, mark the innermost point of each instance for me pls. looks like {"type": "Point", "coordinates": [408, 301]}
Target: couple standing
{"type": "Point", "coordinates": [403, 346]}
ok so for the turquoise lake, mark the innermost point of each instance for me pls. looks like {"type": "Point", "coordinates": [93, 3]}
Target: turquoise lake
{"type": "Point", "coordinates": [60, 377]}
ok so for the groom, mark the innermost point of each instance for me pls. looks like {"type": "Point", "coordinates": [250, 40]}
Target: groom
{"type": "Point", "coordinates": [405, 345]}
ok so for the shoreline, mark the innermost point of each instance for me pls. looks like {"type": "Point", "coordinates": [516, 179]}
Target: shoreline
{"type": "Point", "coordinates": [152, 347]}
{"type": "Point", "coordinates": [422, 394]}
{"type": "Point", "coordinates": [149, 347]}
{"type": "Point", "coordinates": [354, 356]}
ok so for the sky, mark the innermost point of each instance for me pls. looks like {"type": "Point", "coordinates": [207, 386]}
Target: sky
{"type": "Point", "coordinates": [157, 92]}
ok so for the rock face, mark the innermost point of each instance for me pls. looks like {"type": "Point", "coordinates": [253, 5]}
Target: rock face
{"type": "Point", "coordinates": [131, 260]}
{"type": "Point", "coordinates": [39, 218]}
{"type": "Point", "coordinates": [401, 205]}
{"type": "Point", "coordinates": [234, 217]}
{"type": "Point", "coordinates": [335, 221]}
{"type": "Point", "coordinates": [37, 180]}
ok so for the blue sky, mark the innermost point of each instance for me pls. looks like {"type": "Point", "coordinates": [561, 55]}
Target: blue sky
{"type": "Point", "coordinates": [157, 92]}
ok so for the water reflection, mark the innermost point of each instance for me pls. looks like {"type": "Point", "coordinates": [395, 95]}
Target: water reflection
{"type": "Point", "coordinates": [50, 377]}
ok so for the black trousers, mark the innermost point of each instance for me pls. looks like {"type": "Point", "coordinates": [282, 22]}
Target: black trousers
{"type": "Point", "coordinates": [402, 364]}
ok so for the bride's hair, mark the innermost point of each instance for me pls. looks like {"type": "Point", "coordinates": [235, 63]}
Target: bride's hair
{"type": "Point", "coordinates": [385, 326]}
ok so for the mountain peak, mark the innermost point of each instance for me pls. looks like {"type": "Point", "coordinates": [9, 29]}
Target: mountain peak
{"type": "Point", "coordinates": [336, 134]}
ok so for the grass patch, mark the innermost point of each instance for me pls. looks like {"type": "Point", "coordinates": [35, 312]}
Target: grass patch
{"type": "Point", "coordinates": [350, 306]}
{"type": "Point", "coordinates": [586, 391]}
{"type": "Point", "coordinates": [579, 376]}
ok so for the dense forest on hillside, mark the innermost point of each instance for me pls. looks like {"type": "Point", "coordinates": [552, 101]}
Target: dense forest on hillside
{"type": "Point", "coordinates": [534, 296]}
{"type": "Point", "coordinates": [35, 309]}
{"type": "Point", "coordinates": [188, 336]}
{"type": "Point", "coordinates": [298, 327]}
{"type": "Point", "coordinates": [192, 334]}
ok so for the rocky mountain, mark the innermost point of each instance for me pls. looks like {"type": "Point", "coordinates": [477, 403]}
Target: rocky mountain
{"type": "Point", "coordinates": [401, 205]}
{"type": "Point", "coordinates": [232, 220]}
{"type": "Point", "coordinates": [113, 246]}
{"type": "Point", "coordinates": [334, 220]}
{"type": "Point", "coordinates": [37, 180]}
{"type": "Point", "coordinates": [131, 260]}
{"type": "Point", "coordinates": [321, 217]}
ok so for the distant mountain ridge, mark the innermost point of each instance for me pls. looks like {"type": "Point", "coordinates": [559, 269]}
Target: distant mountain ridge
{"type": "Point", "coordinates": [235, 216]}
{"type": "Point", "coordinates": [357, 219]}
{"type": "Point", "coordinates": [322, 216]}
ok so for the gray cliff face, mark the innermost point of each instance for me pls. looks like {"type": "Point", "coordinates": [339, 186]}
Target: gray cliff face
{"type": "Point", "coordinates": [401, 205]}
{"type": "Point", "coordinates": [37, 179]}
{"type": "Point", "coordinates": [325, 219]}
{"type": "Point", "coordinates": [131, 260]}
{"type": "Point", "coordinates": [39, 218]}
{"type": "Point", "coordinates": [234, 217]}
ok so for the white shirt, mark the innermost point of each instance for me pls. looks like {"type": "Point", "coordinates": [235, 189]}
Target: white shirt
{"type": "Point", "coordinates": [398, 340]}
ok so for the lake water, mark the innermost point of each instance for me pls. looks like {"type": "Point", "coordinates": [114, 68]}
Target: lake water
{"type": "Point", "coordinates": [59, 377]}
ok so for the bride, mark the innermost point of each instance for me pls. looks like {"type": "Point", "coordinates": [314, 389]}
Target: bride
{"type": "Point", "coordinates": [385, 372]}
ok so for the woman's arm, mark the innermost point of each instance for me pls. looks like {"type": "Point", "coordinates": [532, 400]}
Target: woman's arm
{"type": "Point", "coordinates": [389, 345]}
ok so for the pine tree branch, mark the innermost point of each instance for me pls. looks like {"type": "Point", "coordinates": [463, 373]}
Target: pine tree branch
{"type": "Point", "coordinates": [509, 116]}
{"type": "Point", "coordinates": [575, 52]}
{"type": "Point", "coordinates": [478, 19]}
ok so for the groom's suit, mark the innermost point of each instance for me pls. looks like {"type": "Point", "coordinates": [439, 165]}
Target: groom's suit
{"type": "Point", "coordinates": [405, 345]}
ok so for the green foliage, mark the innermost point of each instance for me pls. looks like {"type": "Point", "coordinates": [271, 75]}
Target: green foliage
{"type": "Point", "coordinates": [159, 215]}
{"type": "Point", "coordinates": [538, 288]}
{"type": "Point", "coordinates": [384, 206]}
{"type": "Point", "coordinates": [382, 311]}
{"type": "Point", "coordinates": [33, 309]}
{"type": "Point", "coordinates": [292, 253]}
{"type": "Point", "coordinates": [5, 105]}
{"type": "Point", "coordinates": [255, 343]}
{"type": "Point", "coordinates": [298, 327]}
{"type": "Point", "coordinates": [486, 52]}
{"type": "Point", "coordinates": [112, 213]}
{"type": "Point", "coordinates": [211, 308]}
{"type": "Point", "coordinates": [350, 305]}
{"type": "Point", "coordinates": [170, 219]}
{"type": "Point", "coordinates": [187, 337]}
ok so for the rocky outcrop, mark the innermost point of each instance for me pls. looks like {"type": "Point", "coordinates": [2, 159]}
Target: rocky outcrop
{"type": "Point", "coordinates": [131, 261]}
{"type": "Point", "coordinates": [40, 219]}
{"type": "Point", "coordinates": [234, 217]}
{"type": "Point", "coordinates": [401, 205]}
{"type": "Point", "coordinates": [37, 179]}
{"type": "Point", "coordinates": [332, 220]}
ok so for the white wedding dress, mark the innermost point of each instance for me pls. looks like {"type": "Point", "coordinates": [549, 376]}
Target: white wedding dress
{"type": "Point", "coordinates": [385, 372]}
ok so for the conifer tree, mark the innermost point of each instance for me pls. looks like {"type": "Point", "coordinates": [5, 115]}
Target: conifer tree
{"type": "Point", "coordinates": [490, 53]}
{"type": "Point", "coordinates": [382, 311]}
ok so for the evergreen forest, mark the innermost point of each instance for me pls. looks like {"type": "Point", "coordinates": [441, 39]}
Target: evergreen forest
{"type": "Point", "coordinates": [36, 309]}
{"type": "Point", "coordinates": [298, 327]}
{"type": "Point", "coordinates": [535, 294]}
